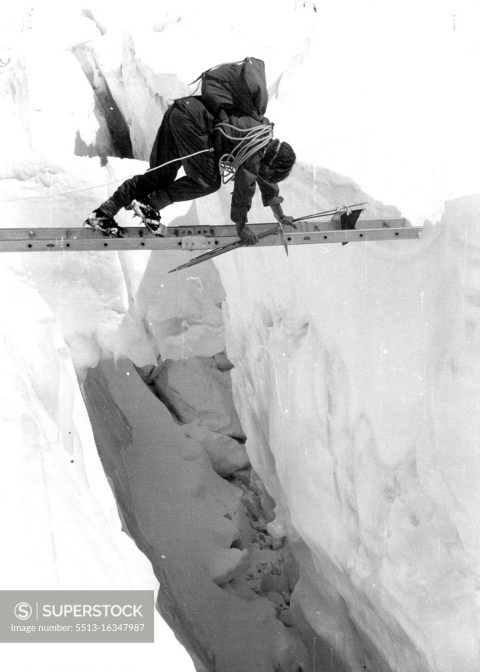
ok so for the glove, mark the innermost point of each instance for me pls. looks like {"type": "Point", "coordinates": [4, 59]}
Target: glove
{"type": "Point", "coordinates": [248, 236]}
{"type": "Point", "coordinates": [286, 220]}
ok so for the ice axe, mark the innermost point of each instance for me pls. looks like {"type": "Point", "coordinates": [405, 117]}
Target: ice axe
{"type": "Point", "coordinates": [232, 246]}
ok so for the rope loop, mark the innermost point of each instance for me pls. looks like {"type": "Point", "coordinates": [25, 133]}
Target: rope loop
{"type": "Point", "coordinates": [253, 140]}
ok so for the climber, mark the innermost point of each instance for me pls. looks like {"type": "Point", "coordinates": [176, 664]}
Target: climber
{"type": "Point", "coordinates": [209, 148]}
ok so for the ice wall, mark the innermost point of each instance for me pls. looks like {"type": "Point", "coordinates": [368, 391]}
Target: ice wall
{"type": "Point", "coordinates": [61, 528]}
{"type": "Point", "coordinates": [355, 379]}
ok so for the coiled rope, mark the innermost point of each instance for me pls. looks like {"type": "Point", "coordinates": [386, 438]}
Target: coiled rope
{"type": "Point", "coordinates": [254, 140]}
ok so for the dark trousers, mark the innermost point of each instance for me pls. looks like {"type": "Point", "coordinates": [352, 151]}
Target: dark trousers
{"type": "Point", "coordinates": [186, 128]}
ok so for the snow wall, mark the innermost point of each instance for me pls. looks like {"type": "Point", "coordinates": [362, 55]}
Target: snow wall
{"type": "Point", "coordinates": [355, 380]}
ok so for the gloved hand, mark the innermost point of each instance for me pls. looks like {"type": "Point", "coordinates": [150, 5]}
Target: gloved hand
{"type": "Point", "coordinates": [286, 220]}
{"type": "Point", "coordinates": [248, 236]}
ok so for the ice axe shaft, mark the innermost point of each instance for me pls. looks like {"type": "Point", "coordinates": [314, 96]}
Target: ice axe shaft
{"type": "Point", "coordinates": [281, 231]}
{"type": "Point", "coordinates": [327, 212]}
{"type": "Point", "coordinates": [211, 254]}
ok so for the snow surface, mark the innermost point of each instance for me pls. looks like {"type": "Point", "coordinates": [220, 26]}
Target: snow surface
{"type": "Point", "coordinates": [356, 368]}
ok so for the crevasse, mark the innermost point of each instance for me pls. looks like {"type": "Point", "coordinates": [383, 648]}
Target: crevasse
{"type": "Point", "coordinates": [355, 372]}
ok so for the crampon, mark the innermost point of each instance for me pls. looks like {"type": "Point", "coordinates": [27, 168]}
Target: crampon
{"type": "Point", "coordinates": [107, 226]}
{"type": "Point", "coordinates": [149, 216]}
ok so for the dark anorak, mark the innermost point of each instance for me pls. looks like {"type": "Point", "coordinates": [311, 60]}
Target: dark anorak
{"type": "Point", "coordinates": [188, 127]}
{"type": "Point", "coordinates": [246, 176]}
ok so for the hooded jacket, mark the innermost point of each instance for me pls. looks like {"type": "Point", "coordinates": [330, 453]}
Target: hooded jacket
{"type": "Point", "coordinates": [247, 174]}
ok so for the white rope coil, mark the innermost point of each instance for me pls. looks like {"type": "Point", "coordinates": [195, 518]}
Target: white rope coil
{"type": "Point", "coordinates": [254, 140]}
